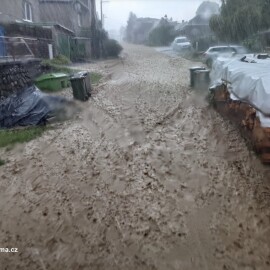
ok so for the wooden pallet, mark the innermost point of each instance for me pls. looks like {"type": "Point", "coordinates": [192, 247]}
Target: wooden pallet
{"type": "Point", "coordinates": [244, 116]}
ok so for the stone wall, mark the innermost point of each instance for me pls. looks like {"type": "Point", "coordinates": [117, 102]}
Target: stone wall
{"type": "Point", "coordinates": [13, 78]}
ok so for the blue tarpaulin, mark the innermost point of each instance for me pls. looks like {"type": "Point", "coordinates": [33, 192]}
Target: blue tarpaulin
{"type": "Point", "coordinates": [2, 43]}
{"type": "Point", "coordinates": [29, 107]}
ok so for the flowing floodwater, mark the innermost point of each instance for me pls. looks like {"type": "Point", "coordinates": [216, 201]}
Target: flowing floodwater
{"type": "Point", "coordinates": [147, 176]}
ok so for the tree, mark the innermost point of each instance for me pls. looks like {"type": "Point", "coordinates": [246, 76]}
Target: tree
{"type": "Point", "coordinates": [163, 34]}
{"type": "Point", "coordinates": [130, 27]}
{"type": "Point", "coordinates": [240, 19]}
{"type": "Point", "coordinates": [207, 9]}
{"type": "Point", "coordinates": [265, 14]}
{"type": "Point", "coordinates": [95, 31]}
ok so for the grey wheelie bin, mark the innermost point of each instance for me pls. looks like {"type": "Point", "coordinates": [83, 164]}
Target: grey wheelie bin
{"type": "Point", "coordinates": [192, 74]}
{"type": "Point", "coordinates": [202, 80]}
{"type": "Point", "coordinates": [81, 85]}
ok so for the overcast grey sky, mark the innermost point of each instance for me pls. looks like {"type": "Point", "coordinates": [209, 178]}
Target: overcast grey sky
{"type": "Point", "coordinates": [117, 11]}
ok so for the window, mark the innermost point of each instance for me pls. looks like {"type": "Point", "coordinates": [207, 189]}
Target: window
{"type": "Point", "coordinates": [218, 49]}
{"type": "Point", "coordinates": [181, 40]}
{"type": "Point", "coordinates": [78, 9]}
{"type": "Point", "coordinates": [79, 19]}
{"type": "Point", "coordinates": [28, 16]}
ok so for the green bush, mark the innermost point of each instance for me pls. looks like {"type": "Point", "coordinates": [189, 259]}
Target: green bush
{"type": "Point", "coordinates": [253, 44]}
{"type": "Point", "coordinates": [58, 60]}
{"type": "Point", "coordinates": [112, 48]}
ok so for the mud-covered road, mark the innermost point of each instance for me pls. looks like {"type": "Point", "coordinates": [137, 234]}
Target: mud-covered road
{"type": "Point", "coordinates": [146, 177]}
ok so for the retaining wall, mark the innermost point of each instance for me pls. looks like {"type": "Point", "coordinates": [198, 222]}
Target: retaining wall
{"type": "Point", "coordinates": [15, 76]}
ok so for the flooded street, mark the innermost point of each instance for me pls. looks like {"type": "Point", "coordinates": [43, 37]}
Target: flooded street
{"type": "Point", "coordinates": [148, 176]}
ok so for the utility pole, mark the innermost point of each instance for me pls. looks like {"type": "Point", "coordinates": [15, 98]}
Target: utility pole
{"type": "Point", "coordinates": [101, 11]}
{"type": "Point", "coordinates": [101, 18]}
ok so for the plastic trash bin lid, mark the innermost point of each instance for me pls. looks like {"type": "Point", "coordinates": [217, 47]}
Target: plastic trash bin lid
{"type": "Point", "coordinates": [197, 68]}
{"type": "Point", "coordinates": [51, 76]}
{"type": "Point", "coordinates": [202, 71]}
{"type": "Point", "coordinates": [79, 75]}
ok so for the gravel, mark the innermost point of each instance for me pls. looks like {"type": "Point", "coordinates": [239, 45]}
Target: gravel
{"type": "Point", "coordinates": [147, 177]}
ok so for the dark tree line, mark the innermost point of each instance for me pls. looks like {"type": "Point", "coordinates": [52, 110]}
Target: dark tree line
{"type": "Point", "coordinates": [240, 19]}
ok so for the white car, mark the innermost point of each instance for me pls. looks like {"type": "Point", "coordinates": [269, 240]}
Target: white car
{"type": "Point", "coordinates": [213, 52]}
{"type": "Point", "coordinates": [181, 43]}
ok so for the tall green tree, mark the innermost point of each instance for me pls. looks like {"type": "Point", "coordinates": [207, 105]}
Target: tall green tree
{"type": "Point", "coordinates": [265, 13]}
{"type": "Point", "coordinates": [240, 19]}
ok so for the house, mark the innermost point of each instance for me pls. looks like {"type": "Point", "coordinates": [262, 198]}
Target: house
{"type": "Point", "coordinates": [70, 23]}
{"type": "Point", "coordinates": [72, 14]}
{"type": "Point", "coordinates": [198, 29]}
{"type": "Point", "coordinates": [19, 10]}
{"type": "Point", "coordinates": [18, 36]}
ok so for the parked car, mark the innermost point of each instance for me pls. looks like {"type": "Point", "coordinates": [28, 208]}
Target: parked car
{"type": "Point", "coordinates": [181, 43]}
{"type": "Point", "coordinates": [213, 52]}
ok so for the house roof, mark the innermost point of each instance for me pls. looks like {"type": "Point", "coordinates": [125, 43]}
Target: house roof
{"type": "Point", "coordinates": [49, 24]}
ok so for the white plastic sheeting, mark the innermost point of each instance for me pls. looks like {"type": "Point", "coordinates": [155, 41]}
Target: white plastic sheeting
{"type": "Point", "coordinates": [247, 81]}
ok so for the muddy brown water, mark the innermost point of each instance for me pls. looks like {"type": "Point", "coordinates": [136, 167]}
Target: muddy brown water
{"type": "Point", "coordinates": [146, 177]}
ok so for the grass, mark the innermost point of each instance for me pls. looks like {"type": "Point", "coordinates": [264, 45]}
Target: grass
{"type": "Point", "coordinates": [95, 77]}
{"type": "Point", "coordinates": [62, 69]}
{"type": "Point", "coordinates": [9, 138]}
{"type": "Point", "coordinates": [59, 60]}
{"type": "Point", "coordinates": [2, 162]}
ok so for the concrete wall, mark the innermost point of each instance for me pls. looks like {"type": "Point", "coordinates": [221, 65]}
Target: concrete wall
{"type": "Point", "coordinates": [64, 14]}
{"type": "Point", "coordinates": [61, 13]}
{"type": "Point", "coordinates": [11, 10]}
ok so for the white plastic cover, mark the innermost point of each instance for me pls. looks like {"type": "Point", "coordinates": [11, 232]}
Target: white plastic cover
{"type": "Point", "coordinates": [248, 81]}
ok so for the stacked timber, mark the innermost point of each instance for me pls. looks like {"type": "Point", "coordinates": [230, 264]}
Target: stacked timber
{"type": "Point", "coordinates": [245, 117]}
{"type": "Point", "coordinates": [13, 78]}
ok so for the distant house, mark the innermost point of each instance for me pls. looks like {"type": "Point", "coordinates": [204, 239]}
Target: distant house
{"type": "Point", "coordinates": [138, 30]}
{"type": "Point", "coordinates": [198, 28]}
{"type": "Point", "coordinates": [142, 29]}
